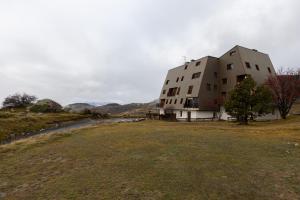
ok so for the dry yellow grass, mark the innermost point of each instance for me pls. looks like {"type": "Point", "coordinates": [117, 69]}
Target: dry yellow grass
{"type": "Point", "coordinates": [157, 160]}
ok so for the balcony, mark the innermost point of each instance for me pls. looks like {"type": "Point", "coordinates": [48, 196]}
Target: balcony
{"type": "Point", "coordinates": [191, 103]}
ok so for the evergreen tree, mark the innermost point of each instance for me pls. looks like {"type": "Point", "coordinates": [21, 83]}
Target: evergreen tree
{"type": "Point", "coordinates": [248, 100]}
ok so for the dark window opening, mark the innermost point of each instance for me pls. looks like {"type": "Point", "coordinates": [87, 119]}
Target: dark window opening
{"type": "Point", "coordinates": [167, 82]}
{"type": "Point", "coordinates": [196, 75]}
{"type": "Point", "coordinates": [216, 74]}
{"type": "Point", "coordinates": [224, 94]}
{"type": "Point", "coordinates": [215, 87]}
{"type": "Point", "coordinates": [230, 66]}
{"type": "Point", "coordinates": [181, 101]}
{"type": "Point", "coordinates": [167, 101]}
{"type": "Point", "coordinates": [257, 67]}
{"type": "Point", "coordinates": [164, 91]}
{"type": "Point", "coordinates": [224, 81]}
{"type": "Point", "coordinates": [198, 63]}
{"type": "Point", "coordinates": [185, 67]}
{"type": "Point", "coordinates": [177, 79]}
{"type": "Point", "coordinates": [190, 89]}
{"type": "Point", "coordinates": [182, 78]}
{"type": "Point", "coordinates": [240, 78]}
{"type": "Point", "coordinates": [269, 69]}
{"type": "Point", "coordinates": [180, 113]}
{"type": "Point", "coordinates": [162, 103]}
{"type": "Point", "coordinates": [248, 65]}
{"type": "Point", "coordinates": [208, 86]}
{"type": "Point", "coordinates": [172, 92]}
{"type": "Point", "coordinates": [175, 102]}
{"type": "Point", "coordinates": [191, 103]}
{"type": "Point", "coordinates": [232, 53]}
{"type": "Point", "coordinates": [178, 91]}
{"type": "Point", "coordinates": [170, 101]}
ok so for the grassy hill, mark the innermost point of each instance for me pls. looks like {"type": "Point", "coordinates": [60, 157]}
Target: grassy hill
{"type": "Point", "coordinates": [157, 160]}
{"type": "Point", "coordinates": [21, 121]}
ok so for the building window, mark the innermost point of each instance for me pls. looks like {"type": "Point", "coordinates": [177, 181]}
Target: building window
{"type": "Point", "coordinates": [224, 94]}
{"type": "Point", "coordinates": [181, 101]}
{"type": "Point", "coordinates": [208, 87]}
{"type": "Point", "coordinates": [248, 65]}
{"type": "Point", "coordinates": [190, 89]}
{"type": "Point", "coordinates": [164, 91]}
{"type": "Point", "coordinates": [178, 91]}
{"type": "Point", "coordinates": [196, 75]}
{"type": "Point", "coordinates": [216, 74]}
{"type": "Point", "coordinates": [185, 68]}
{"type": "Point", "coordinates": [180, 113]}
{"type": "Point", "coordinates": [257, 67]}
{"type": "Point", "coordinates": [175, 102]}
{"type": "Point", "coordinates": [167, 101]}
{"type": "Point", "coordinates": [232, 53]}
{"type": "Point", "coordinates": [177, 79]}
{"type": "Point", "coordinates": [230, 66]}
{"type": "Point", "coordinates": [224, 81]}
{"type": "Point", "coordinates": [198, 63]}
{"type": "Point", "coordinates": [215, 87]}
{"type": "Point", "coordinates": [170, 101]}
{"type": "Point", "coordinates": [172, 92]}
{"type": "Point", "coordinates": [167, 82]}
{"type": "Point", "coordinates": [182, 78]}
{"type": "Point", "coordinates": [269, 69]}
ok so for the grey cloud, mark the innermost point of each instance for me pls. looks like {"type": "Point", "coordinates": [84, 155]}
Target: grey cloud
{"type": "Point", "coordinates": [120, 50]}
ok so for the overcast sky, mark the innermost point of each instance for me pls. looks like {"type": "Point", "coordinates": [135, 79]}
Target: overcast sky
{"type": "Point", "coordinates": [120, 50]}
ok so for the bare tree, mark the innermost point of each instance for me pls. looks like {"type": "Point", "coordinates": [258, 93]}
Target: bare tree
{"type": "Point", "coordinates": [285, 87]}
{"type": "Point", "coordinates": [18, 100]}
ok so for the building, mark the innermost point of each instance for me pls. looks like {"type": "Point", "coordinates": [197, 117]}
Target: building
{"type": "Point", "coordinates": [195, 90]}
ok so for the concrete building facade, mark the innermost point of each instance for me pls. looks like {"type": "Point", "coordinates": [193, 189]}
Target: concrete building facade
{"type": "Point", "coordinates": [194, 91]}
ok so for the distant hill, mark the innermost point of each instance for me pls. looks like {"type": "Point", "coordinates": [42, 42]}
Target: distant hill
{"type": "Point", "coordinates": [132, 109]}
{"type": "Point", "coordinates": [78, 107]}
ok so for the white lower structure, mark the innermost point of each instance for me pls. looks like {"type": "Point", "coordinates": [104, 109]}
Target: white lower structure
{"type": "Point", "coordinates": [197, 115]}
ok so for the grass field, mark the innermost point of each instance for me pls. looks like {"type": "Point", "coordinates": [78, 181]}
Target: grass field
{"type": "Point", "coordinates": [19, 122]}
{"type": "Point", "coordinates": [157, 160]}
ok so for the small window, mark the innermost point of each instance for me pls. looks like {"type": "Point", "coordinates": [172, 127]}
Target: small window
{"type": "Point", "coordinates": [170, 101]}
{"type": "Point", "coordinates": [177, 79]}
{"type": "Point", "coordinates": [269, 69]}
{"type": "Point", "coordinates": [164, 91]}
{"type": "Point", "coordinates": [167, 101]}
{"type": "Point", "coordinates": [198, 63]}
{"type": "Point", "coordinates": [224, 81]}
{"type": "Point", "coordinates": [230, 66]}
{"type": "Point", "coordinates": [185, 68]}
{"type": "Point", "coordinates": [215, 87]}
{"type": "Point", "coordinates": [167, 82]}
{"type": "Point", "coordinates": [180, 113]}
{"type": "Point", "coordinates": [224, 94]}
{"type": "Point", "coordinates": [196, 75]}
{"type": "Point", "coordinates": [175, 102]}
{"type": "Point", "coordinates": [257, 67]}
{"type": "Point", "coordinates": [232, 53]}
{"type": "Point", "coordinates": [190, 89]}
{"type": "Point", "coordinates": [182, 78]}
{"type": "Point", "coordinates": [181, 101]}
{"type": "Point", "coordinates": [248, 65]}
{"type": "Point", "coordinates": [216, 74]}
{"type": "Point", "coordinates": [178, 91]}
{"type": "Point", "coordinates": [208, 87]}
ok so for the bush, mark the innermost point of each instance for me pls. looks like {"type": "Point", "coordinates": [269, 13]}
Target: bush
{"type": "Point", "coordinates": [46, 106]}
